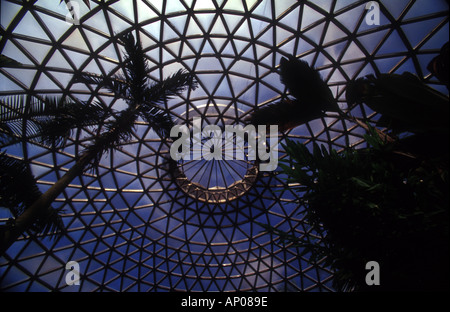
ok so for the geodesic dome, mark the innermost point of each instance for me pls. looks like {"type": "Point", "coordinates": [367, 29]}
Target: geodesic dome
{"type": "Point", "coordinates": [130, 225]}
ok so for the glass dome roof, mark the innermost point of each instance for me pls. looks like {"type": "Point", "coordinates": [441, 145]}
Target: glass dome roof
{"type": "Point", "coordinates": [130, 225]}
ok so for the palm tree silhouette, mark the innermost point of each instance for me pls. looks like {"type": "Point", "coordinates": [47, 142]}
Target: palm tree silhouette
{"type": "Point", "coordinates": [143, 98]}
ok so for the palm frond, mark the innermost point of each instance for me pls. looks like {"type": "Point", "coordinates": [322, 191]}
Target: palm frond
{"type": "Point", "coordinates": [48, 120]}
{"type": "Point", "coordinates": [116, 84]}
{"type": "Point", "coordinates": [17, 185]}
{"type": "Point", "coordinates": [70, 116]}
{"type": "Point", "coordinates": [8, 62]}
{"type": "Point", "coordinates": [159, 120]}
{"type": "Point", "coordinates": [116, 133]}
{"type": "Point", "coordinates": [136, 67]}
{"type": "Point", "coordinates": [18, 191]}
{"type": "Point", "coordinates": [171, 86]}
{"type": "Point", "coordinates": [17, 115]}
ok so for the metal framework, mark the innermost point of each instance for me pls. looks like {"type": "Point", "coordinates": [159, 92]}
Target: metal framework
{"type": "Point", "coordinates": [131, 226]}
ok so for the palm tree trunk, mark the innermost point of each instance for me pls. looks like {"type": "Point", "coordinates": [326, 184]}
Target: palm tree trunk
{"type": "Point", "coordinates": [26, 219]}
{"type": "Point", "coordinates": [123, 124]}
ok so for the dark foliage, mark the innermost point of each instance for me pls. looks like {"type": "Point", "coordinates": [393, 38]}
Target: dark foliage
{"type": "Point", "coordinates": [439, 66]}
{"type": "Point", "coordinates": [405, 102]}
{"type": "Point", "coordinates": [374, 204]}
{"type": "Point", "coordinates": [8, 62]}
{"type": "Point", "coordinates": [48, 120]}
{"type": "Point", "coordinates": [387, 202]}
{"type": "Point", "coordinates": [311, 98]}
{"type": "Point", "coordinates": [18, 190]}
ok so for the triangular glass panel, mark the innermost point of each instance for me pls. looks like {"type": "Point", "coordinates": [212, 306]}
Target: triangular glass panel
{"type": "Point", "coordinates": [62, 79]}
{"type": "Point", "coordinates": [204, 5]}
{"type": "Point", "coordinates": [118, 24]}
{"type": "Point", "coordinates": [438, 39]}
{"type": "Point", "coordinates": [196, 44]}
{"type": "Point", "coordinates": [95, 40]}
{"type": "Point", "coordinates": [174, 47]}
{"type": "Point", "coordinates": [333, 33]}
{"type": "Point", "coordinates": [423, 7]}
{"type": "Point", "coordinates": [25, 76]}
{"type": "Point", "coordinates": [407, 66]}
{"type": "Point", "coordinates": [291, 19]}
{"type": "Point", "coordinates": [282, 35]}
{"type": "Point", "coordinates": [207, 48]}
{"type": "Point", "coordinates": [267, 37]}
{"type": "Point", "coordinates": [352, 69]}
{"type": "Point", "coordinates": [248, 54]}
{"type": "Point", "coordinates": [268, 60]}
{"type": "Point", "coordinates": [12, 51]}
{"type": "Point", "coordinates": [8, 11]}
{"type": "Point", "coordinates": [178, 23]}
{"type": "Point", "coordinates": [265, 93]}
{"type": "Point", "coordinates": [218, 43]}
{"type": "Point", "coordinates": [231, 21]}
{"type": "Point", "coordinates": [417, 32]}
{"type": "Point", "coordinates": [304, 47]}
{"type": "Point", "coordinates": [261, 51]}
{"type": "Point", "coordinates": [224, 89]}
{"type": "Point", "coordinates": [372, 40]}
{"type": "Point", "coordinates": [282, 6]}
{"type": "Point", "coordinates": [228, 50]}
{"type": "Point", "coordinates": [198, 93]}
{"type": "Point", "coordinates": [258, 26]}
{"type": "Point", "coordinates": [350, 18]}
{"type": "Point", "coordinates": [56, 26]}
{"type": "Point", "coordinates": [322, 60]}
{"type": "Point", "coordinates": [76, 41]}
{"type": "Point", "coordinates": [234, 5]}
{"type": "Point", "coordinates": [353, 53]}
{"type": "Point", "coordinates": [205, 20]}
{"type": "Point", "coordinates": [264, 9]}
{"type": "Point", "coordinates": [109, 52]}
{"type": "Point", "coordinates": [218, 27]}
{"type": "Point", "coordinates": [169, 33]}
{"type": "Point", "coordinates": [45, 83]}
{"type": "Point", "coordinates": [336, 77]}
{"type": "Point", "coordinates": [29, 22]}
{"type": "Point", "coordinates": [393, 44]}
{"type": "Point", "coordinates": [39, 51]}
{"type": "Point", "coordinates": [125, 8]}
{"type": "Point", "coordinates": [395, 8]}
{"type": "Point", "coordinates": [145, 12]}
{"type": "Point", "coordinates": [243, 30]}
{"type": "Point", "coordinates": [385, 65]}
{"type": "Point", "coordinates": [92, 67]}
{"type": "Point", "coordinates": [323, 4]}
{"type": "Point", "coordinates": [309, 17]}
{"type": "Point", "coordinates": [335, 50]}
{"type": "Point", "coordinates": [210, 80]}
{"type": "Point", "coordinates": [193, 28]}
{"type": "Point", "coordinates": [240, 45]}
{"type": "Point", "coordinates": [175, 7]}
{"type": "Point", "coordinates": [154, 30]}
{"type": "Point", "coordinates": [58, 60]}
{"type": "Point", "coordinates": [315, 34]}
